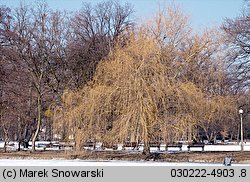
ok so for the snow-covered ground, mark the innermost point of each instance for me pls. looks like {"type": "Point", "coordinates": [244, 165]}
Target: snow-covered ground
{"type": "Point", "coordinates": [77, 162]}
{"type": "Point", "coordinates": [56, 162]}
{"type": "Point", "coordinates": [40, 145]}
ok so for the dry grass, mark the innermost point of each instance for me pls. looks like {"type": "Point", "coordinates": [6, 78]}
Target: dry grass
{"type": "Point", "coordinates": [211, 157]}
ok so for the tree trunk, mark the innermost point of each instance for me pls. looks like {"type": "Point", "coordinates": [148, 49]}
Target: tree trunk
{"type": "Point", "coordinates": [146, 141]}
{"type": "Point", "coordinates": [39, 121]}
{"type": "Point", "coordinates": [189, 134]}
{"type": "Point", "coordinates": [4, 146]}
{"type": "Point", "coordinates": [19, 146]}
{"type": "Point", "coordinates": [6, 138]}
{"type": "Point", "coordinates": [146, 148]}
{"type": "Point", "coordinates": [215, 139]}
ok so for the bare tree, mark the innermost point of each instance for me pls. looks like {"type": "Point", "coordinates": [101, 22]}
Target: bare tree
{"type": "Point", "coordinates": [237, 38]}
{"type": "Point", "coordinates": [38, 42]}
{"type": "Point", "coordinates": [94, 31]}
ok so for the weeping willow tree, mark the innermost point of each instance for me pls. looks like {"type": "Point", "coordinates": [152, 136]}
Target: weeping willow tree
{"type": "Point", "coordinates": [122, 102]}
{"type": "Point", "coordinates": [146, 90]}
{"type": "Point", "coordinates": [187, 102]}
{"type": "Point", "coordinates": [131, 98]}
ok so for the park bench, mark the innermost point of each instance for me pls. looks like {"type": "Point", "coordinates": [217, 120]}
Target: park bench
{"type": "Point", "coordinates": [89, 145]}
{"type": "Point", "coordinates": [155, 144]}
{"type": "Point", "coordinates": [56, 146]}
{"type": "Point", "coordinates": [66, 146]}
{"type": "Point", "coordinates": [196, 145]}
{"type": "Point", "coordinates": [133, 145]}
{"type": "Point", "coordinates": [109, 146]}
{"type": "Point", "coordinates": [174, 145]}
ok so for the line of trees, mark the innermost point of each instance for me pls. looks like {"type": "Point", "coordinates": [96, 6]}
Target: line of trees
{"type": "Point", "coordinates": [97, 75]}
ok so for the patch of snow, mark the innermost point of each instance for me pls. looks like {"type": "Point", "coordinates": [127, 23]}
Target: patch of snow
{"type": "Point", "coordinates": [77, 162]}
{"type": "Point", "coordinates": [42, 145]}
{"type": "Point", "coordinates": [1, 144]}
{"type": "Point", "coordinates": [119, 146]}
